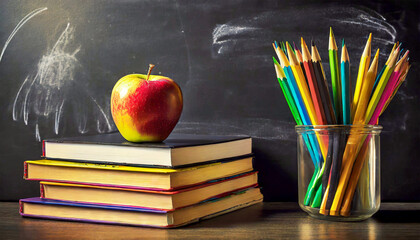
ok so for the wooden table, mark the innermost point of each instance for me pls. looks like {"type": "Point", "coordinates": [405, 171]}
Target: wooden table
{"type": "Point", "coordinates": [261, 221]}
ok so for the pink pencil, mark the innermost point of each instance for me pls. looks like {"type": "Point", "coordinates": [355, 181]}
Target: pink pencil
{"type": "Point", "coordinates": [387, 92]}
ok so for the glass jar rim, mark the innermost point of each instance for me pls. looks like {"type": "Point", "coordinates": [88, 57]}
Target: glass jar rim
{"type": "Point", "coordinates": [371, 129]}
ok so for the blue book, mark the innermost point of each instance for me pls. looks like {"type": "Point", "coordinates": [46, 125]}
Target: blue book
{"type": "Point", "coordinates": [137, 216]}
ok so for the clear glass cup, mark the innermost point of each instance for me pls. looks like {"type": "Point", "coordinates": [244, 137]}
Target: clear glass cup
{"type": "Point", "coordinates": [339, 171]}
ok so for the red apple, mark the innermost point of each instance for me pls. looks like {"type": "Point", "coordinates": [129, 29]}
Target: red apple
{"type": "Point", "coordinates": [146, 108]}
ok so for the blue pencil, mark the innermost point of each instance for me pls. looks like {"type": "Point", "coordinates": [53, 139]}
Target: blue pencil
{"type": "Point", "coordinates": [345, 84]}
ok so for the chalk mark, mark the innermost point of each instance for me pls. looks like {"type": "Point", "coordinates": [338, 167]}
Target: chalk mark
{"type": "Point", "coordinates": [19, 25]}
{"type": "Point", "coordinates": [49, 95]}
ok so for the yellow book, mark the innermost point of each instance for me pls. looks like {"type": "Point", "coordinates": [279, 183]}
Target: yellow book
{"type": "Point", "coordinates": [166, 200]}
{"type": "Point", "coordinates": [129, 176]}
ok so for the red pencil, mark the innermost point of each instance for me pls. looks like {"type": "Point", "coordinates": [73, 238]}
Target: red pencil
{"type": "Point", "coordinates": [313, 86]}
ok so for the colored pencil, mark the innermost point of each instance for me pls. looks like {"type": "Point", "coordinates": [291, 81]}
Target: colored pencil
{"type": "Point", "coordinates": [329, 116]}
{"type": "Point", "coordinates": [303, 87]}
{"type": "Point", "coordinates": [366, 90]}
{"type": "Point", "coordinates": [400, 81]}
{"type": "Point", "coordinates": [281, 77]}
{"type": "Point", "coordinates": [316, 203]}
{"type": "Point", "coordinates": [312, 82]}
{"type": "Point", "coordinates": [381, 85]}
{"type": "Point", "coordinates": [323, 86]}
{"type": "Point", "coordinates": [335, 77]}
{"type": "Point", "coordinates": [363, 68]}
{"type": "Point", "coordinates": [383, 68]}
{"type": "Point", "coordinates": [327, 166]}
{"type": "Point", "coordinates": [293, 87]}
{"type": "Point", "coordinates": [338, 140]}
{"type": "Point", "coordinates": [388, 90]}
{"type": "Point", "coordinates": [300, 60]}
{"type": "Point", "coordinates": [345, 84]}
{"type": "Point", "coordinates": [289, 47]}
{"type": "Point", "coordinates": [283, 47]}
{"type": "Point", "coordinates": [348, 197]}
{"type": "Point", "coordinates": [333, 175]}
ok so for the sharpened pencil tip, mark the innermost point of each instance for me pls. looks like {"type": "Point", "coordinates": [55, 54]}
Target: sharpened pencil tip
{"type": "Point", "coordinates": [312, 42]}
{"type": "Point", "coordinates": [370, 37]}
{"type": "Point", "coordinates": [302, 41]}
{"type": "Point", "coordinates": [343, 43]}
{"type": "Point", "coordinates": [290, 45]}
{"type": "Point", "coordinates": [377, 53]}
{"type": "Point", "coordinates": [331, 33]}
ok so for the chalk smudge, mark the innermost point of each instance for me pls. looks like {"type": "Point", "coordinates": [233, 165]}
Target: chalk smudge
{"type": "Point", "coordinates": [250, 36]}
{"type": "Point", "coordinates": [53, 93]}
{"type": "Point", "coordinates": [19, 25]}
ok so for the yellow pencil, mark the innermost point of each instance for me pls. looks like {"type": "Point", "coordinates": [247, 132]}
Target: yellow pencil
{"type": "Point", "coordinates": [366, 91]}
{"type": "Point", "coordinates": [392, 51]}
{"type": "Point", "coordinates": [363, 68]}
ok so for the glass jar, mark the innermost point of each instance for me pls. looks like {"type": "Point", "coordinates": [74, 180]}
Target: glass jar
{"type": "Point", "coordinates": [339, 171]}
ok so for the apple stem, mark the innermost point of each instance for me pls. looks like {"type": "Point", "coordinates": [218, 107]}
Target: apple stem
{"type": "Point", "coordinates": [151, 66]}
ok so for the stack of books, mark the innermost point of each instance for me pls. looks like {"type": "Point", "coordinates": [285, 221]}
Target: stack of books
{"type": "Point", "coordinates": [105, 179]}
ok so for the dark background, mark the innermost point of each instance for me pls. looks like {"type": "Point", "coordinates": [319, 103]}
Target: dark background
{"type": "Point", "coordinates": [58, 71]}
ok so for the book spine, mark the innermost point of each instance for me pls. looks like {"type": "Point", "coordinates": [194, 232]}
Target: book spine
{"type": "Point", "coordinates": [25, 170]}
{"type": "Point", "coordinates": [93, 221]}
{"type": "Point", "coordinates": [20, 207]}
{"type": "Point", "coordinates": [43, 148]}
{"type": "Point", "coordinates": [42, 190]}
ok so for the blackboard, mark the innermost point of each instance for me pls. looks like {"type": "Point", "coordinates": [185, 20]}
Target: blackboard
{"type": "Point", "coordinates": [60, 60]}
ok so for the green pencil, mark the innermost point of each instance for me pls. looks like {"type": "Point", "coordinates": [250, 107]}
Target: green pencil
{"type": "Point", "coordinates": [281, 77]}
{"type": "Point", "coordinates": [335, 77]}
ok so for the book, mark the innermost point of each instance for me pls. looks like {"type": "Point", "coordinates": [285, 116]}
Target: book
{"type": "Point", "coordinates": [99, 213]}
{"type": "Point", "coordinates": [130, 176]}
{"type": "Point", "coordinates": [177, 150]}
{"type": "Point", "coordinates": [166, 200]}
